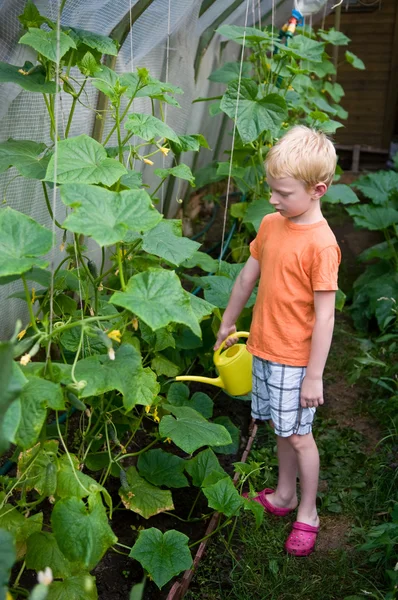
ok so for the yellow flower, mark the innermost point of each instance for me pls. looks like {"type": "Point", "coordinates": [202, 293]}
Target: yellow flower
{"type": "Point", "coordinates": [147, 409]}
{"type": "Point", "coordinates": [164, 150]}
{"type": "Point", "coordinates": [33, 295]}
{"type": "Point", "coordinates": [21, 334]}
{"type": "Point", "coordinates": [25, 359]}
{"type": "Point", "coordinates": [115, 335]}
{"type": "Point", "coordinates": [168, 440]}
{"type": "Point", "coordinates": [62, 246]}
{"type": "Point", "coordinates": [134, 323]}
{"type": "Point", "coordinates": [290, 87]}
{"type": "Point", "coordinates": [148, 162]}
{"type": "Point", "coordinates": [155, 415]}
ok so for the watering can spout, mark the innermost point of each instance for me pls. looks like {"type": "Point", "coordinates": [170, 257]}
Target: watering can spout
{"type": "Point", "coordinates": [217, 381]}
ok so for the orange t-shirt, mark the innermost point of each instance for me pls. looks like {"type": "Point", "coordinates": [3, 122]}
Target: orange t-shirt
{"type": "Point", "coordinates": [295, 260]}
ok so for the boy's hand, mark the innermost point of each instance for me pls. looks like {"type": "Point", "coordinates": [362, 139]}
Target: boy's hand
{"type": "Point", "coordinates": [311, 393]}
{"type": "Point", "coordinates": [223, 333]}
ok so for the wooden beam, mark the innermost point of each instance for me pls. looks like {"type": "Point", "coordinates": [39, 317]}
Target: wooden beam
{"type": "Point", "coordinates": [392, 92]}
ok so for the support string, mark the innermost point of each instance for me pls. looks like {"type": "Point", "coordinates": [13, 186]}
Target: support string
{"type": "Point", "coordinates": [167, 81]}
{"type": "Point", "coordinates": [233, 136]}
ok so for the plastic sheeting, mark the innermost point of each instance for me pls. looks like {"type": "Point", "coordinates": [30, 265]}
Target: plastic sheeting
{"type": "Point", "coordinates": [167, 39]}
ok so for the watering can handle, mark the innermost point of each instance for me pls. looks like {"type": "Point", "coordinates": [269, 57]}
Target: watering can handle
{"type": "Point", "coordinates": [233, 335]}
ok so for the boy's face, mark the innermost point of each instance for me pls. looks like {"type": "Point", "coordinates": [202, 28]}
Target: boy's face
{"type": "Point", "coordinates": [292, 199]}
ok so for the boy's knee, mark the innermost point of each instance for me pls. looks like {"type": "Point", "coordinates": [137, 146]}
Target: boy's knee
{"type": "Point", "coordinates": [300, 442]}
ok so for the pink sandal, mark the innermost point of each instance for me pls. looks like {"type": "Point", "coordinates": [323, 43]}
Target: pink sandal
{"type": "Point", "coordinates": [302, 539]}
{"type": "Point", "coordinates": [261, 498]}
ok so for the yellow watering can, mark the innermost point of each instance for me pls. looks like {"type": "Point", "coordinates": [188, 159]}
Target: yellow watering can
{"type": "Point", "coordinates": [234, 367]}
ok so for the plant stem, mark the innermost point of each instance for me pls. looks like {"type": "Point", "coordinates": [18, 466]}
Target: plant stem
{"type": "Point", "coordinates": [206, 537]}
{"type": "Point", "coordinates": [121, 120]}
{"type": "Point", "coordinates": [87, 270]}
{"type": "Point", "coordinates": [68, 455]}
{"type": "Point", "coordinates": [72, 108]}
{"type": "Point", "coordinates": [137, 453]}
{"type": "Point", "coordinates": [29, 303]}
{"type": "Point", "coordinates": [194, 504]}
{"type": "Point", "coordinates": [49, 206]}
{"type": "Point", "coordinates": [102, 263]}
{"type": "Point", "coordinates": [83, 322]}
{"type": "Point", "coordinates": [159, 186]}
{"type": "Point", "coordinates": [50, 112]}
{"type": "Point", "coordinates": [22, 569]}
{"type": "Point", "coordinates": [120, 265]}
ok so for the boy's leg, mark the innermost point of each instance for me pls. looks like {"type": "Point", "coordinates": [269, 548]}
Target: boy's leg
{"type": "Point", "coordinates": [306, 451]}
{"type": "Point", "coordinates": [285, 495]}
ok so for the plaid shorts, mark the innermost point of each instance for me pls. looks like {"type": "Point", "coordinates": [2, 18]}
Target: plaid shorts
{"type": "Point", "coordinates": [276, 397]}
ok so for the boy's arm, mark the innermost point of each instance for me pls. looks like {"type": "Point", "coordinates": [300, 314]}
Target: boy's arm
{"type": "Point", "coordinates": [312, 387]}
{"type": "Point", "coordinates": [240, 294]}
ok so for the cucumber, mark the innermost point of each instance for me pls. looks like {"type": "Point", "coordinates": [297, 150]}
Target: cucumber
{"type": "Point", "coordinates": [76, 403]}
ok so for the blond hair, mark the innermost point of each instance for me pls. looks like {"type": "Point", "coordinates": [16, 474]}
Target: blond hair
{"type": "Point", "coordinates": [305, 154]}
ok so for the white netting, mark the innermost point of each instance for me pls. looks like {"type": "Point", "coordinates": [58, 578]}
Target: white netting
{"type": "Point", "coordinates": [23, 115]}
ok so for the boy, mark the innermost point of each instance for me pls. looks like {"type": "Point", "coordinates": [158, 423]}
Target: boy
{"type": "Point", "coordinates": [296, 257]}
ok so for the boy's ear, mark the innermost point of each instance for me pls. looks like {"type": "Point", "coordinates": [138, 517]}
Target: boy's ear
{"type": "Point", "coordinates": [319, 190]}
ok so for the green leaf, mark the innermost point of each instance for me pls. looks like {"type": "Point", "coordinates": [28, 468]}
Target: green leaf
{"type": "Point", "coordinates": [217, 290]}
{"type": "Point", "coordinates": [35, 475]}
{"type": "Point", "coordinates": [384, 251]}
{"type": "Point", "coordinates": [148, 127]}
{"type": "Point", "coordinates": [82, 532]}
{"type": "Point", "coordinates": [143, 498]}
{"type": "Point", "coordinates": [190, 431]}
{"type": "Point", "coordinates": [24, 155]}
{"type": "Point", "coordinates": [162, 468]}
{"type": "Point", "coordinates": [71, 482]}
{"type": "Point", "coordinates": [378, 186]}
{"type": "Point", "coordinates": [165, 241]}
{"type": "Point", "coordinates": [334, 90]}
{"type": "Point", "coordinates": [178, 395]}
{"type": "Point", "coordinates": [375, 218]}
{"type": "Point", "coordinates": [116, 213]}
{"type": "Point", "coordinates": [180, 171]}
{"type": "Point", "coordinates": [43, 551]}
{"type": "Point", "coordinates": [46, 42]}
{"type": "Point", "coordinates": [330, 126]}
{"type": "Point", "coordinates": [163, 366]}
{"type": "Point", "coordinates": [83, 160]}
{"type": "Point", "coordinates": [303, 47]}
{"type": "Point", "coordinates": [137, 591]}
{"type": "Point", "coordinates": [124, 374]}
{"type": "Point", "coordinates": [11, 383]}
{"type": "Point", "coordinates": [253, 116]}
{"type": "Point", "coordinates": [201, 307]}
{"type": "Point", "coordinates": [163, 555]}
{"type": "Point", "coordinates": [132, 180]}
{"type": "Point", "coordinates": [76, 587]}
{"type": "Point", "coordinates": [340, 193]}
{"type": "Point", "coordinates": [356, 62]}
{"type": "Point", "coordinates": [147, 387]}
{"type": "Point", "coordinates": [31, 16]}
{"type": "Point", "coordinates": [336, 38]}
{"type": "Point", "coordinates": [188, 143]}
{"type": "Point", "coordinates": [340, 300]}
{"type": "Point", "coordinates": [257, 510]}
{"type": "Point", "coordinates": [223, 497]}
{"type": "Point", "coordinates": [29, 77]}
{"type": "Point", "coordinates": [102, 43]}
{"type": "Point", "coordinates": [202, 260]}
{"type": "Point", "coordinates": [37, 395]}
{"type": "Point", "coordinates": [156, 297]}
{"type": "Point", "coordinates": [7, 558]}
{"type": "Point", "coordinates": [88, 65]}
{"type": "Point", "coordinates": [230, 71]}
{"type": "Point", "coordinates": [22, 242]}
{"type": "Point", "coordinates": [106, 80]}
{"type": "Point", "coordinates": [234, 433]}
{"type": "Point", "coordinates": [20, 527]}
{"type": "Point", "coordinates": [202, 465]}
{"type": "Point", "coordinates": [256, 211]}
{"type": "Point", "coordinates": [249, 34]}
